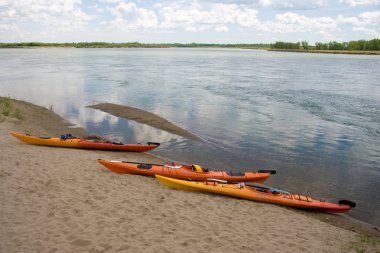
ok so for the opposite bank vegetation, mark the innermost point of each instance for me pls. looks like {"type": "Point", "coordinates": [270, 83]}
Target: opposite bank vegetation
{"type": "Point", "coordinates": [351, 47]}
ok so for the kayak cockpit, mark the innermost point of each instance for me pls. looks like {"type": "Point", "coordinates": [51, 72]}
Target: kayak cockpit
{"type": "Point", "coordinates": [235, 174]}
{"type": "Point", "coordinates": [144, 166]}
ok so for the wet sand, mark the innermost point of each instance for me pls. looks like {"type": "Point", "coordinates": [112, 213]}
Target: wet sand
{"type": "Point", "coordinates": [62, 200]}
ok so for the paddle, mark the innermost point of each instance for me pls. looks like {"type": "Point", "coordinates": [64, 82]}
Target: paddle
{"type": "Point", "coordinates": [264, 187]}
{"type": "Point", "coordinates": [257, 186]}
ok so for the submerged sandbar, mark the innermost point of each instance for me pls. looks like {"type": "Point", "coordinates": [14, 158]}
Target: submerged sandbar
{"type": "Point", "coordinates": [144, 117]}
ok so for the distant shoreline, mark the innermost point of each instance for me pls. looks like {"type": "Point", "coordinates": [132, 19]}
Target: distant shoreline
{"type": "Point", "coordinates": [265, 47]}
{"type": "Point", "coordinates": [131, 45]}
{"type": "Point", "coordinates": [326, 51]}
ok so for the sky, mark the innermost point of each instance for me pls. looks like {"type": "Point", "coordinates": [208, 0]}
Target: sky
{"type": "Point", "coordinates": [184, 21]}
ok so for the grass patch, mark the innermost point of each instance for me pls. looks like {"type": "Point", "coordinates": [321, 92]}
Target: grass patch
{"type": "Point", "coordinates": [7, 110]}
{"type": "Point", "coordinates": [18, 114]}
{"type": "Point", "coordinates": [5, 106]}
{"type": "Point", "coordinates": [364, 244]}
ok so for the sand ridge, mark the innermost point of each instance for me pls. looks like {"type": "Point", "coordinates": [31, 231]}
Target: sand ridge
{"type": "Point", "coordinates": [145, 117]}
{"type": "Point", "coordinates": [62, 200]}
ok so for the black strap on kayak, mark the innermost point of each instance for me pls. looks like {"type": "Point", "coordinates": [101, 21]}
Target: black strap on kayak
{"type": "Point", "coordinates": [143, 163]}
{"type": "Point", "coordinates": [347, 203]}
{"type": "Point", "coordinates": [272, 172]}
{"type": "Point", "coordinates": [154, 143]}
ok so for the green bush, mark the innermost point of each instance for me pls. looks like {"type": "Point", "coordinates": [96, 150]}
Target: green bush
{"type": "Point", "coordinates": [18, 114]}
{"type": "Point", "coordinates": [5, 106]}
{"type": "Point", "coordinates": [7, 110]}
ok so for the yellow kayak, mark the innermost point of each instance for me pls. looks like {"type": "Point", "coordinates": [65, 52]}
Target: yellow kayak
{"type": "Point", "coordinates": [47, 141]}
{"type": "Point", "coordinates": [257, 193]}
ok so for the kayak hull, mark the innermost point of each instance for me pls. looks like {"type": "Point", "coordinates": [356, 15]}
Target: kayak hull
{"type": "Point", "coordinates": [83, 144]}
{"type": "Point", "coordinates": [250, 193]}
{"type": "Point", "coordinates": [180, 172]}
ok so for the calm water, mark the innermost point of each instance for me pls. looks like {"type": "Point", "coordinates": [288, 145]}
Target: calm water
{"type": "Point", "coordinates": [314, 118]}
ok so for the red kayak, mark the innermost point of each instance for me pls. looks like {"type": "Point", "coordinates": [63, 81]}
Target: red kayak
{"type": "Point", "coordinates": [186, 172]}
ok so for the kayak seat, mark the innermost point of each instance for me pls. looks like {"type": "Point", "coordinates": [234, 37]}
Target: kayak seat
{"type": "Point", "coordinates": [235, 174]}
{"type": "Point", "coordinates": [67, 136]}
{"type": "Point", "coordinates": [144, 166]}
{"type": "Point", "coordinates": [197, 168]}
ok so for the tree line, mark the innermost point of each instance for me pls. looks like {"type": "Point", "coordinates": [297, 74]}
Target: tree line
{"type": "Point", "coordinates": [129, 45]}
{"type": "Point", "coordinates": [359, 45]}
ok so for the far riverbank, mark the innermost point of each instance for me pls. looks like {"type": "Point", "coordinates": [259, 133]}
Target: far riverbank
{"type": "Point", "coordinates": [256, 46]}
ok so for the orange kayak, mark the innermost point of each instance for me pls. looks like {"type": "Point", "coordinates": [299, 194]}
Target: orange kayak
{"type": "Point", "coordinates": [69, 141]}
{"type": "Point", "coordinates": [258, 193]}
{"type": "Point", "coordinates": [193, 172]}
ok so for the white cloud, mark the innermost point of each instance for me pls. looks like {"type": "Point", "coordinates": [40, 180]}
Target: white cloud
{"type": "Point", "coordinates": [130, 17]}
{"type": "Point", "coordinates": [265, 3]}
{"type": "Point", "coordinates": [372, 32]}
{"type": "Point", "coordinates": [367, 22]}
{"type": "Point", "coordinates": [50, 16]}
{"type": "Point", "coordinates": [222, 28]}
{"type": "Point", "coordinates": [7, 27]}
{"type": "Point", "coordinates": [276, 4]}
{"type": "Point", "coordinates": [292, 22]}
{"type": "Point", "coordinates": [220, 17]}
{"type": "Point", "coordinates": [370, 17]}
{"type": "Point", "coordinates": [45, 20]}
{"type": "Point", "coordinates": [294, 4]}
{"type": "Point", "coordinates": [237, 2]}
{"type": "Point", "coordinates": [354, 3]}
{"type": "Point", "coordinates": [215, 17]}
{"type": "Point", "coordinates": [327, 36]}
{"type": "Point", "coordinates": [110, 1]}
{"type": "Point", "coordinates": [248, 18]}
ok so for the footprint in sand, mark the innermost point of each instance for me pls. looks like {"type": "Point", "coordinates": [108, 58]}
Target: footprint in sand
{"type": "Point", "coordinates": [81, 242]}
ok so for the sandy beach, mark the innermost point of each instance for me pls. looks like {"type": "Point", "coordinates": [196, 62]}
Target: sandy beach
{"type": "Point", "coordinates": [62, 200]}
